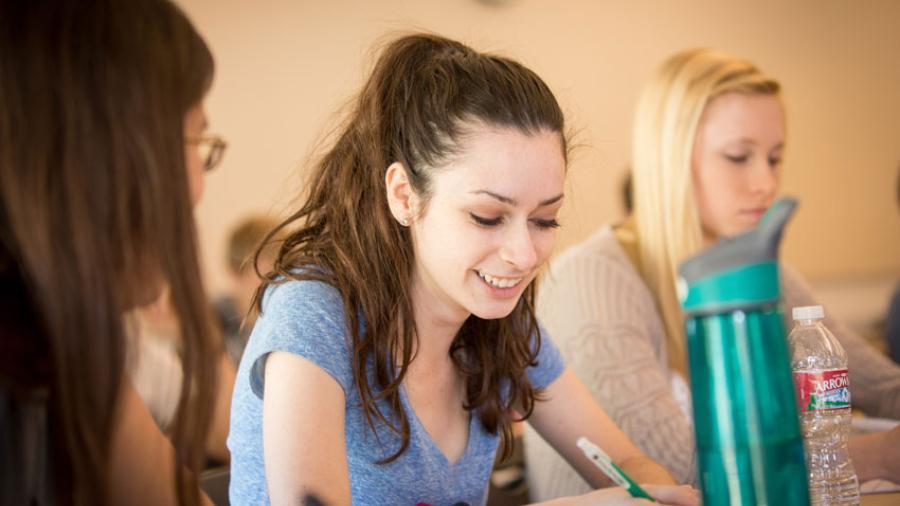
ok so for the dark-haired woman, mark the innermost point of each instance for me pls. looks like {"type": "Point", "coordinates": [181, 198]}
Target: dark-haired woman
{"type": "Point", "coordinates": [102, 149]}
{"type": "Point", "coordinates": [397, 340]}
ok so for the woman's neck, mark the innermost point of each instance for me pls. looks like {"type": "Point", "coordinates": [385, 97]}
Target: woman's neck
{"type": "Point", "coordinates": [437, 323]}
{"type": "Point", "coordinates": [709, 239]}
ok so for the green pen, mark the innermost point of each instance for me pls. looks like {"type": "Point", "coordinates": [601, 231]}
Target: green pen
{"type": "Point", "coordinates": [610, 469]}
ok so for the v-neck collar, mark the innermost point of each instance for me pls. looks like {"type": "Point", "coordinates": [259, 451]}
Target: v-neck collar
{"type": "Point", "coordinates": [417, 426]}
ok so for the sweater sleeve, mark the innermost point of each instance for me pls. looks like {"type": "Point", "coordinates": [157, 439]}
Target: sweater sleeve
{"type": "Point", "coordinates": [608, 330]}
{"type": "Point", "coordinates": [874, 378]}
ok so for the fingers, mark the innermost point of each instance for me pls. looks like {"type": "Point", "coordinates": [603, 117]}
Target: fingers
{"type": "Point", "coordinates": [612, 496]}
{"type": "Point", "coordinates": [674, 495]}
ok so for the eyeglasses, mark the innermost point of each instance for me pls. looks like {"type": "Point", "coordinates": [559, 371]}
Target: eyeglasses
{"type": "Point", "coordinates": [211, 149]}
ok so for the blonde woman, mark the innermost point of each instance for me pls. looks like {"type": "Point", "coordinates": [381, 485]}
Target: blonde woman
{"type": "Point", "coordinates": [707, 147]}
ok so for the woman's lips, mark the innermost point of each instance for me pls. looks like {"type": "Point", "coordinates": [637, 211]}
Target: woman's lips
{"type": "Point", "coordinates": [754, 213]}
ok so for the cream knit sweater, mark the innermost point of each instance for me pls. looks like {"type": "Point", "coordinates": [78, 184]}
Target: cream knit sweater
{"type": "Point", "coordinates": [603, 318]}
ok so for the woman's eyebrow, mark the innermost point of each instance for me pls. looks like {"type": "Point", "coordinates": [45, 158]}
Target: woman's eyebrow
{"type": "Point", "coordinates": [511, 201]}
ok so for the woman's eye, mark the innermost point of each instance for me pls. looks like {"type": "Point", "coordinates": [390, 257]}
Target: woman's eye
{"type": "Point", "coordinates": [546, 223]}
{"type": "Point", "coordinates": [774, 161]}
{"type": "Point", "coordinates": [485, 222]}
{"type": "Point", "coordinates": [738, 159]}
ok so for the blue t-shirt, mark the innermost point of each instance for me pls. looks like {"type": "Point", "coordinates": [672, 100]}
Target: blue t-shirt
{"type": "Point", "coordinates": [307, 318]}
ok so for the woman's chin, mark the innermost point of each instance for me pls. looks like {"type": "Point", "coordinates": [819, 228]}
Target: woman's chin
{"type": "Point", "coordinates": [494, 313]}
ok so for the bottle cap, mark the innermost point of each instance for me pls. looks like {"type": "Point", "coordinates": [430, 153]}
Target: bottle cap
{"type": "Point", "coordinates": [808, 313]}
{"type": "Point", "coordinates": [739, 272]}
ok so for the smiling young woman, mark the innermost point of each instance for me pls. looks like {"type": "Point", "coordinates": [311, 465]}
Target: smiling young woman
{"type": "Point", "coordinates": [397, 340]}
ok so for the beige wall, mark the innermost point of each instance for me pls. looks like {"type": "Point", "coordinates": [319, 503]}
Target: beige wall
{"type": "Point", "coordinates": [285, 66]}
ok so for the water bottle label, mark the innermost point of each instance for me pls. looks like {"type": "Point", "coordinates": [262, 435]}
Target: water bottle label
{"type": "Point", "coordinates": [818, 390]}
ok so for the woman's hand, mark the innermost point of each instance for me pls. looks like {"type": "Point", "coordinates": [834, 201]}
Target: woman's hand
{"type": "Point", "coordinates": [877, 455]}
{"type": "Point", "coordinates": [568, 412]}
{"type": "Point", "coordinates": [673, 495]}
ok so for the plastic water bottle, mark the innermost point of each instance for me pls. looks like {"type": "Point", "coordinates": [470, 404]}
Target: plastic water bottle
{"type": "Point", "coordinates": [819, 363]}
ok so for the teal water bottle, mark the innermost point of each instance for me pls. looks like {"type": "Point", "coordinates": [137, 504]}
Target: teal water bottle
{"type": "Point", "coordinates": [745, 414]}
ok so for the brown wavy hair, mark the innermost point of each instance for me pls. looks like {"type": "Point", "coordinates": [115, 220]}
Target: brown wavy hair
{"type": "Point", "coordinates": [421, 95]}
{"type": "Point", "coordinates": [95, 204]}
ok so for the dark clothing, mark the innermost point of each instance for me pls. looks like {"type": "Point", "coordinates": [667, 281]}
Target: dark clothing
{"type": "Point", "coordinates": [26, 381]}
{"type": "Point", "coordinates": [892, 326]}
{"type": "Point", "coordinates": [230, 318]}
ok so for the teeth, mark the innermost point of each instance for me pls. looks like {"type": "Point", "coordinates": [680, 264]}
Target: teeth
{"type": "Point", "coordinates": [499, 282]}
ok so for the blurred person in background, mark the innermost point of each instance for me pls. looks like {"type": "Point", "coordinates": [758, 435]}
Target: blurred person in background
{"type": "Point", "coordinates": [233, 310]}
{"type": "Point", "coordinates": [101, 130]}
{"type": "Point", "coordinates": [154, 366]}
{"type": "Point", "coordinates": [892, 321]}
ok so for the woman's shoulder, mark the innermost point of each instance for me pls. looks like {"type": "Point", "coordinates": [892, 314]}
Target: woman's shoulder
{"type": "Point", "coordinates": [795, 289]}
{"type": "Point", "coordinates": [597, 261]}
{"type": "Point", "coordinates": [301, 296]}
{"type": "Point", "coordinates": [301, 316]}
{"type": "Point", "coordinates": [601, 247]}
{"type": "Point", "coordinates": [593, 287]}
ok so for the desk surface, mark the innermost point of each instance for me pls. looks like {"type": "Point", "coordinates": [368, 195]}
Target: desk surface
{"type": "Point", "coordinates": [889, 499]}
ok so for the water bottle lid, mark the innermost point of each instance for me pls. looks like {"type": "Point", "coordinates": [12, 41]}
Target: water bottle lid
{"type": "Point", "coordinates": [808, 313]}
{"type": "Point", "coordinates": [739, 272]}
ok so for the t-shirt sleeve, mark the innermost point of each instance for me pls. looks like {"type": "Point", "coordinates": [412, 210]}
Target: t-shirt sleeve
{"type": "Point", "coordinates": [550, 364]}
{"type": "Point", "coordinates": [305, 318]}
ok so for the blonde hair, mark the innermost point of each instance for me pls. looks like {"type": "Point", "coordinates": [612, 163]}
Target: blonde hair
{"type": "Point", "coordinates": [665, 213]}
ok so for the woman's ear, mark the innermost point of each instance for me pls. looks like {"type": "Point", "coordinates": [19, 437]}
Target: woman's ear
{"type": "Point", "coordinates": [400, 194]}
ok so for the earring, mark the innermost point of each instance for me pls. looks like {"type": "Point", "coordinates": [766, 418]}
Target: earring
{"type": "Point", "coordinates": [404, 222]}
